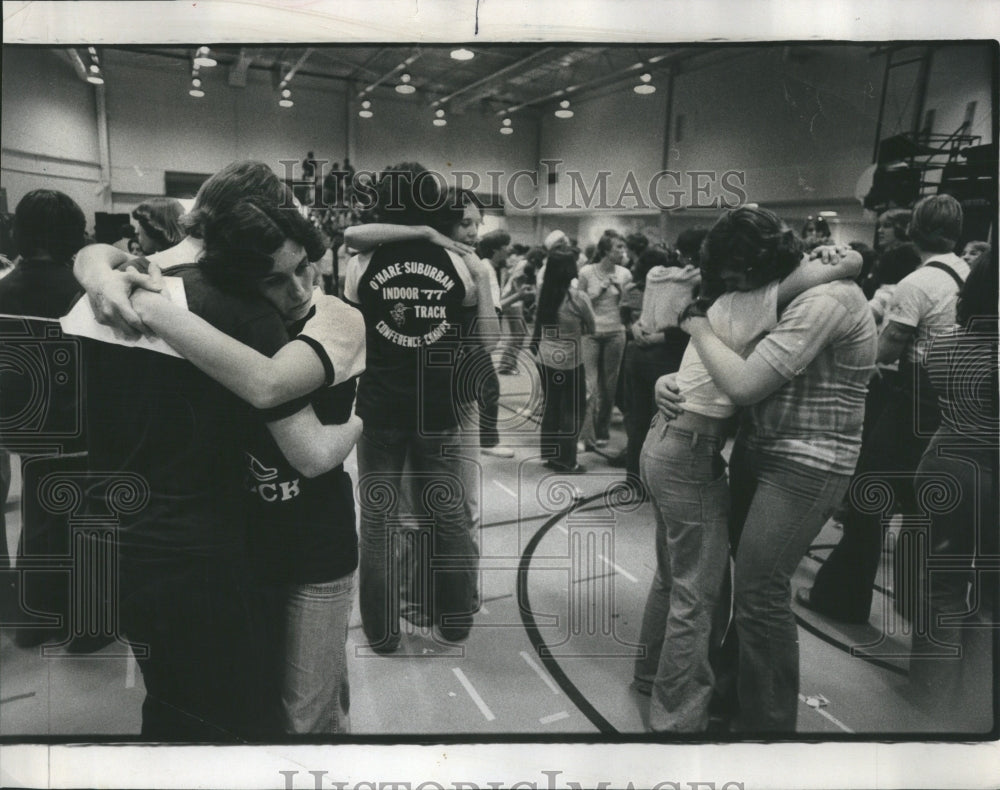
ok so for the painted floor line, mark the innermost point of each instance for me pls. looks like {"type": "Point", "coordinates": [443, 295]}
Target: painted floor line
{"type": "Point", "coordinates": [471, 691]}
{"type": "Point", "coordinates": [540, 672]}
{"type": "Point", "coordinates": [554, 717]}
{"type": "Point", "coordinates": [618, 569]}
{"type": "Point", "coordinates": [562, 529]}
{"type": "Point", "coordinates": [504, 488]}
{"type": "Point", "coordinates": [828, 716]}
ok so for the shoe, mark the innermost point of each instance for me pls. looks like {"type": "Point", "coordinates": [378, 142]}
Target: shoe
{"type": "Point", "coordinates": [600, 442]}
{"type": "Point", "coordinates": [508, 371]}
{"type": "Point", "coordinates": [618, 461]}
{"type": "Point", "coordinates": [388, 645]}
{"type": "Point", "coordinates": [803, 597]}
{"type": "Point", "coordinates": [458, 627]}
{"type": "Point", "coordinates": [498, 451]}
{"type": "Point", "coordinates": [555, 466]}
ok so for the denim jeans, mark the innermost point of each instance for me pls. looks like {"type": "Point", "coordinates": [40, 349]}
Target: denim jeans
{"type": "Point", "coordinates": [315, 694]}
{"type": "Point", "coordinates": [778, 509]}
{"type": "Point", "coordinates": [562, 416]}
{"type": "Point", "coordinates": [686, 477]}
{"type": "Point", "coordinates": [602, 360]}
{"type": "Point", "coordinates": [454, 556]}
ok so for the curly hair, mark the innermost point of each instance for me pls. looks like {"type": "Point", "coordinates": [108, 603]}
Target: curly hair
{"type": "Point", "coordinates": [753, 241]}
{"type": "Point", "coordinates": [159, 218]}
{"type": "Point", "coordinates": [240, 243]}
{"type": "Point", "coordinates": [244, 180]}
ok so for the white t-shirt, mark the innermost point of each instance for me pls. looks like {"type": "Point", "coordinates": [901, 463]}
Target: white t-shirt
{"type": "Point", "coordinates": [925, 300]}
{"type": "Point", "coordinates": [740, 319]}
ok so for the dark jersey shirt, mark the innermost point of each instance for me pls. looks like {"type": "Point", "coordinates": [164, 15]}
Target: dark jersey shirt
{"type": "Point", "coordinates": [302, 530]}
{"type": "Point", "coordinates": [43, 289]}
{"type": "Point", "coordinates": [161, 418]}
{"type": "Point", "coordinates": [411, 295]}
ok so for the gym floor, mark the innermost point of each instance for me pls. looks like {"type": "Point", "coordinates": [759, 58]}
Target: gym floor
{"type": "Point", "coordinates": [566, 564]}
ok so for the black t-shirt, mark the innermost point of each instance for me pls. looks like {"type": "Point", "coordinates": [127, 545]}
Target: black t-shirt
{"type": "Point", "coordinates": [43, 289]}
{"type": "Point", "coordinates": [161, 418]}
{"type": "Point", "coordinates": [302, 530]}
{"type": "Point", "coordinates": [410, 294]}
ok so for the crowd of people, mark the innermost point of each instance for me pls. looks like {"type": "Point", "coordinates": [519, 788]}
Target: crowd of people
{"type": "Point", "coordinates": [827, 363]}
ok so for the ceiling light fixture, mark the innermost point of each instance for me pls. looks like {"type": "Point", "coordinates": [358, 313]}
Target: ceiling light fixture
{"type": "Point", "coordinates": [440, 119]}
{"type": "Point", "coordinates": [828, 213]}
{"type": "Point", "coordinates": [196, 90]}
{"type": "Point", "coordinates": [506, 128]}
{"type": "Point", "coordinates": [644, 87]}
{"type": "Point", "coordinates": [365, 111]}
{"type": "Point", "coordinates": [203, 58]}
{"type": "Point", "coordinates": [404, 85]}
{"type": "Point", "coordinates": [564, 111]}
{"type": "Point", "coordinates": [286, 99]}
{"type": "Point", "coordinates": [463, 54]}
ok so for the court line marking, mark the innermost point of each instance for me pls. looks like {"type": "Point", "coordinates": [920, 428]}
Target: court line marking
{"type": "Point", "coordinates": [827, 716]}
{"type": "Point", "coordinates": [548, 681]}
{"type": "Point", "coordinates": [506, 490]}
{"type": "Point", "coordinates": [554, 717]}
{"type": "Point", "coordinates": [130, 671]}
{"type": "Point", "coordinates": [471, 691]}
{"type": "Point", "coordinates": [16, 697]}
{"type": "Point", "coordinates": [618, 569]}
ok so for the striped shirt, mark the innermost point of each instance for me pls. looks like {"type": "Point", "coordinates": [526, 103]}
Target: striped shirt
{"type": "Point", "coordinates": [825, 344]}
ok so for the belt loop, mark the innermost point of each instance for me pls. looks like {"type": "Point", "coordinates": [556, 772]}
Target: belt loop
{"type": "Point", "coordinates": [694, 439]}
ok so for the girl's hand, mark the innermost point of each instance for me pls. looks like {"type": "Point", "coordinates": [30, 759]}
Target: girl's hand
{"type": "Point", "coordinates": [148, 305]}
{"type": "Point", "coordinates": [438, 238]}
{"type": "Point", "coordinates": [668, 396]}
{"type": "Point", "coordinates": [840, 262]}
{"type": "Point", "coordinates": [695, 324]}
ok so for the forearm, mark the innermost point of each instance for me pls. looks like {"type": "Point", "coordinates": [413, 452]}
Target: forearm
{"type": "Point", "coordinates": [262, 381]}
{"type": "Point", "coordinates": [366, 237]}
{"type": "Point", "coordinates": [330, 447]}
{"type": "Point", "coordinates": [95, 262]}
{"type": "Point", "coordinates": [811, 273]}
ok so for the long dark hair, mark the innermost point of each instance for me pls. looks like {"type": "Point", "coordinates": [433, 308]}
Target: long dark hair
{"type": "Point", "coordinates": [978, 297]}
{"type": "Point", "coordinates": [751, 240]}
{"type": "Point", "coordinates": [560, 269]}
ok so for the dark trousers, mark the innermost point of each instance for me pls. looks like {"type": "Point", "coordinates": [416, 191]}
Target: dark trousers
{"type": "Point", "coordinates": [951, 651]}
{"type": "Point", "coordinates": [477, 380]}
{"type": "Point", "coordinates": [643, 366]}
{"type": "Point", "coordinates": [882, 484]}
{"type": "Point", "coordinates": [193, 621]}
{"type": "Point", "coordinates": [562, 417]}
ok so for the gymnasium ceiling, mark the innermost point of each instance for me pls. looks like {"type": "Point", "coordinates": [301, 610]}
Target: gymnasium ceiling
{"type": "Point", "coordinates": [515, 78]}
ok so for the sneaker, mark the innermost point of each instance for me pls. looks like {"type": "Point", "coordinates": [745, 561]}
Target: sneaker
{"type": "Point", "coordinates": [600, 442]}
{"type": "Point", "coordinates": [508, 371]}
{"type": "Point", "coordinates": [458, 628]}
{"type": "Point", "coordinates": [498, 452]}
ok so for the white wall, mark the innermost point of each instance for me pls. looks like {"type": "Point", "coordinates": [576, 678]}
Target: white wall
{"type": "Point", "coordinates": [49, 134]}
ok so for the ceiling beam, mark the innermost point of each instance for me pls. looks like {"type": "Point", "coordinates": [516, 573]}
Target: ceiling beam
{"type": "Point", "coordinates": [606, 79]}
{"type": "Point", "coordinates": [77, 62]}
{"type": "Point", "coordinates": [294, 69]}
{"type": "Point", "coordinates": [405, 64]}
{"type": "Point", "coordinates": [520, 64]}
